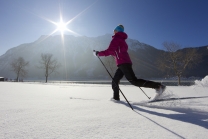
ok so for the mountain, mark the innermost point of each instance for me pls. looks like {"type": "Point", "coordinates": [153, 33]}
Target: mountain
{"type": "Point", "coordinates": [78, 62]}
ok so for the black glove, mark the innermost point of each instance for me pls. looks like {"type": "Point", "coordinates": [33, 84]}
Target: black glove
{"type": "Point", "coordinates": [95, 52]}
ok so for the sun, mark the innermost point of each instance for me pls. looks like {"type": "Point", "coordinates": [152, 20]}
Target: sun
{"type": "Point", "coordinates": [61, 26]}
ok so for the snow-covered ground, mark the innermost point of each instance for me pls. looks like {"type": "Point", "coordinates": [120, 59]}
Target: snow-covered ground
{"type": "Point", "coordinates": [85, 111]}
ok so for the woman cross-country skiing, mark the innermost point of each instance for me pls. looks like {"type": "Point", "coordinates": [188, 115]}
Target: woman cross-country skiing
{"type": "Point", "coordinates": [118, 49]}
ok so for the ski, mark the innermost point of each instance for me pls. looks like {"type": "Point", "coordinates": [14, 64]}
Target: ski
{"type": "Point", "coordinates": [170, 99]}
{"type": "Point", "coordinates": [166, 99]}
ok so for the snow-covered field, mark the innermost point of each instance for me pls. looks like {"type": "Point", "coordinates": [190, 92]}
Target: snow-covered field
{"type": "Point", "coordinates": [85, 111]}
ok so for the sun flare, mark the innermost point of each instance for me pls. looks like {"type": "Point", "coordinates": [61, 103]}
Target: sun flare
{"type": "Point", "coordinates": [61, 26]}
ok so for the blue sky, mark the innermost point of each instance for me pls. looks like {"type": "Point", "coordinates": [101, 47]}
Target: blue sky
{"type": "Point", "coordinates": [148, 21]}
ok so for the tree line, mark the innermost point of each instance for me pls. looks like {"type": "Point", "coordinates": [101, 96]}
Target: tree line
{"type": "Point", "coordinates": [173, 62]}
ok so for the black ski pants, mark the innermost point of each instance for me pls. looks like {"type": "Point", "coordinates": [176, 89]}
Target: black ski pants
{"type": "Point", "coordinates": [127, 71]}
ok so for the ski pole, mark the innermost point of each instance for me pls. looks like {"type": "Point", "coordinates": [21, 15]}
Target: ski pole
{"type": "Point", "coordinates": [115, 83]}
{"type": "Point", "coordinates": [144, 92]}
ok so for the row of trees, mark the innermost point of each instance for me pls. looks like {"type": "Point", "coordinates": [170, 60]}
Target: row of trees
{"type": "Point", "coordinates": [47, 63]}
{"type": "Point", "coordinates": [174, 62]}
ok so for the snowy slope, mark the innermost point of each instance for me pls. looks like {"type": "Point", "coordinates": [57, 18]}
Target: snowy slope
{"type": "Point", "coordinates": [77, 111]}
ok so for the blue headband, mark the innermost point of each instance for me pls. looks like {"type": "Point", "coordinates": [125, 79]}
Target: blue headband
{"type": "Point", "coordinates": [119, 29]}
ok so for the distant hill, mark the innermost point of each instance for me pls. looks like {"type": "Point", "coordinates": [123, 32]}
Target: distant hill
{"type": "Point", "coordinates": [78, 62]}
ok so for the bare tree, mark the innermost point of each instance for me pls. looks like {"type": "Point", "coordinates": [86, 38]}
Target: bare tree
{"type": "Point", "coordinates": [48, 64]}
{"type": "Point", "coordinates": [176, 61]}
{"type": "Point", "coordinates": [18, 66]}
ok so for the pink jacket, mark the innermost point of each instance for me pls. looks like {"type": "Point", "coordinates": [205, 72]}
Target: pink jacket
{"type": "Point", "coordinates": [118, 49]}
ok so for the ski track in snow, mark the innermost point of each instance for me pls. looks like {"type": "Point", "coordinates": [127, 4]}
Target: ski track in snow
{"type": "Point", "coordinates": [58, 110]}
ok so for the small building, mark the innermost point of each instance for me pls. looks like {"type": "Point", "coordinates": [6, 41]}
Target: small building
{"type": "Point", "coordinates": [1, 78]}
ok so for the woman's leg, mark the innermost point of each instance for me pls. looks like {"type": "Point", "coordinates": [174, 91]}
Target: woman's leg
{"type": "Point", "coordinates": [115, 83]}
{"type": "Point", "coordinates": [130, 76]}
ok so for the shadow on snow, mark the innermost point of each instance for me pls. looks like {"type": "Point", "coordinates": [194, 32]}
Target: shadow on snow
{"type": "Point", "coordinates": [192, 116]}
